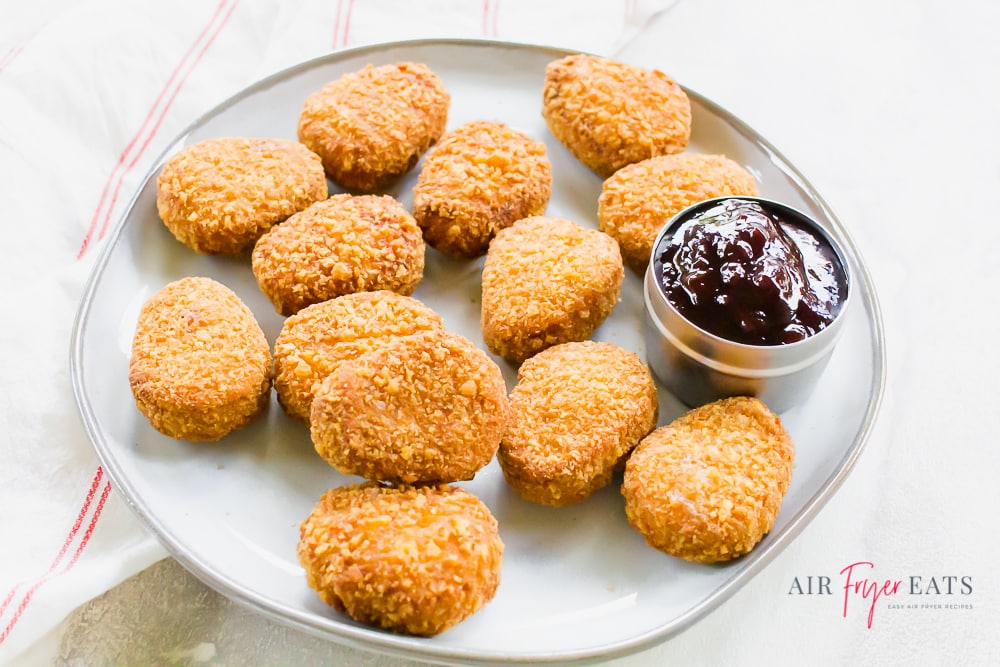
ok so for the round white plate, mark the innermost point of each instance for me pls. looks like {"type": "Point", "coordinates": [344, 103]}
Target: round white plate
{"type": "Point", "coordinates": [577, 582]}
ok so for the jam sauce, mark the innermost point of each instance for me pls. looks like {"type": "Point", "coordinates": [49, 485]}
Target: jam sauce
{"type": "Point", "coordinates": [746, 274]}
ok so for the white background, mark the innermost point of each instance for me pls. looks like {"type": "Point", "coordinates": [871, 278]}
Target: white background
{"type": "Point", "coordinates": [891, 109]}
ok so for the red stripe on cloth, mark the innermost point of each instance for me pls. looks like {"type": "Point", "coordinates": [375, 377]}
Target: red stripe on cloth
{"type": "Point", "coordinates": [486, 17]}
{"type": "Point", "coordinates": [11, 54]}
{"type": "Point", "coordinates": [98, 475]}
{"type": "Point", "coordinates": [69, 537]}
{"type": "Point", "coordinates": [90, 527]}
{"type": "Point", "coordinates": [14, 51]}
{"type": "Point", "coordinates": [336, 25]}
{"type": "Point", "coordinates": [159, 121]}
{"type": "Point", "coordinates": [347, 23]}
{"type": "Point", "coordinates": [83, 543]}
{"type": "Point", "coordinates": [10, 596]}
{"type": "Point", "coordinates": [116, 178]}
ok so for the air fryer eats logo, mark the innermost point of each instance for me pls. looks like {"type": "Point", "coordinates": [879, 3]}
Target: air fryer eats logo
{"type": "Point", "coordinates": [858, 585]}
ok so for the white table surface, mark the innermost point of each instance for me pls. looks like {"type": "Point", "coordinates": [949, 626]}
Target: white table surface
{"type": "Point", "coordinates": [891, 109]}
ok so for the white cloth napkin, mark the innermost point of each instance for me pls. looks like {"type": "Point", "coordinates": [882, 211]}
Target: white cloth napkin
{"type": "Point", "coordinates": [90, 93]}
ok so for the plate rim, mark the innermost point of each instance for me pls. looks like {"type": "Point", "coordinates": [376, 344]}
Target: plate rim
{"type": "Point", "coordinates": [369, 639]}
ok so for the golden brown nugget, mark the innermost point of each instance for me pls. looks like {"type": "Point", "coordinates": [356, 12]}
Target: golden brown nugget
{"type": "Point", "coordinates": [371, 126]}
{"type": "Point", "coordinates": [708, 486]}
{"type": "Point", "coordinates": [480, 179]}
{"type": "Point", "coordinates": [641, 198]}
{"type": "Point", "coordinates": [200, 365]}
{"type": "Point", "coordinates": [220, 195]}
{"type": "Point", "coordinates": [317, 340]}
{"type": "Point", "coordinates": [609, 114]}
{"type": "Point", "coordinates": [339, 246]}
{"type": "Point", "coordinates": [577, 409]}
{"type": "Point", "coordinates": [424, 408]}
{"type": "Point", "coordinates": [414, 560]}
{"type": "Point", "coordinates": [547, 281]}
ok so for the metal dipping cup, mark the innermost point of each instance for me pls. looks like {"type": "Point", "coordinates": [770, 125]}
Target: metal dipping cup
{"type": "Point", "coordinates": [699, 367]}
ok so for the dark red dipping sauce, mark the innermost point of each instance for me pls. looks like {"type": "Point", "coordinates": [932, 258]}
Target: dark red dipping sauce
{"type": "Point", "coordinates": [750, 274]}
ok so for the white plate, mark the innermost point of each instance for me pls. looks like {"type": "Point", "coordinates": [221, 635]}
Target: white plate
{"type": "Point", "coordinates": [577, 582]}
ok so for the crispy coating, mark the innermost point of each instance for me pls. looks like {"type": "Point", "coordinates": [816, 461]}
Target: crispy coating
{"type": "Point", "coordinates": [200, 365]}
{"type": "Point", "coordinates": [708, 486]}
{"type": "Point", "coordinates": [415, 560]}
{"type": "Point", "coordinates": [577, 409]}
{"type": "Point", "coordinates": [371, 126]}
{"type": "Point", "coordinates": [317, 340]}
{"type": "Point", "coordinates": [220, 195]}
{"type": "Point", "coordinates": [609, 114]}
{"type": "Point", "coordinates": [424, 408]}
{"type": "Point", "coordinates": [641, 198]}
{"type": "Point", "coordinates": [480, 179]}
{"type": "Point", "coordinates": [547, 281]}
{"type": "Point", "coordinates": [339, 246]}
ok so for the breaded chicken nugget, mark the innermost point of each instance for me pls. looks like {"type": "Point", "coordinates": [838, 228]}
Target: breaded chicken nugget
{"type": "Point", "coordinates": [317, 340]}
{"type": "Point", "coordinates": [547, 281]}
{"type": "Point", "coordinates": [424, 408]}
{"type": "Point", "coordinates": [371, 126]}
{"type": "Point", "coordinates": [219, 196]}
{"type": "Point", "coordinates": [708, 486]}
{"type": "Point", "coordinates": [577, 409]}
{"type": "Point", "coordinates": [609, 114]}
{"type": "Point", "coordinates": [480, 179]}
{"type": "Point", "coordinates": [409, 559]}
{"type": "Point", "coordinates": [641, 198]}
{"type": "Point", "coordinates": [339, 246]}
{"type": "Point", "coordinates": [200, 365]}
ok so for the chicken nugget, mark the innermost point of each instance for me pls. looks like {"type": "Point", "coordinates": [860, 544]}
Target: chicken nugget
{"type": "Point", "coordinates": [481, 178]}
{"type": "Point", "coordinates": [220, 195]}
{"type": "Point", "coordinates": [415, 560]}
{"type": "Point", "coordinates": [430, 407]}
{"type": "Point", "coordinates": [318, 339]}
{"type": "Point", "coordinates": [708, 486]}
{"type": "Point", "coordinates": [200, 364]}
{"type": "Point", "coordinates": [609, 114]}
{"type": "Point", "coordinates": [547, 281]}
{"type": "Point", "coordinates": [339, 246]}
{"type": "Point", "coordinates": [641, 198]}
{"type": "Point", "coordinates": [577, 409]}
{"type": "Point", "coordinates": [372, 126]}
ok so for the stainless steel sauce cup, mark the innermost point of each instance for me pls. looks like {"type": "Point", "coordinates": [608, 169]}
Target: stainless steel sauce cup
{"type": "Point", "coordinates": [699, 367]}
